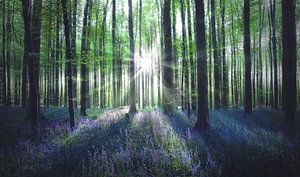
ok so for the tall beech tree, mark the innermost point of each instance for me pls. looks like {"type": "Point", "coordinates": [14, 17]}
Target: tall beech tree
{"type": "Point", "coordinates": [103, 48]}
{"type": "Point", "coordinates": [289, 63]}
{"type": "Point", "coordinates": [203, 114]}
{"type": "Point", "coordinates": [70, 61]}
{"type": "Point", "coordinates": [225, 84]}
{"type": "Point", "coordinates": [185, 68]}
{"type": "Point", "coordinates": [167, 65]}
{"type": "Point", "coordinates": [32, 24]}
{"type": "Point", "coordinates": [191, 57]}
{"type": "Point", "coordinates": [73, 23]}
{"type": "Point", "coordinates": [175, 51]}
{"type": "Point", "coordinates": [217, 63]}
{"type": "Point", "coordinates": [114, 57]}
{"type": "Point", "coordinates": [84, 96]}
{"type": "Point", "coordinates": [247, 53]}
{"type": "Point", "coordinates": [132, 109]}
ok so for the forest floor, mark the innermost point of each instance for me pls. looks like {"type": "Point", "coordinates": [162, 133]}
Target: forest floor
{"type": "Point", "coordinates": [105, 143]}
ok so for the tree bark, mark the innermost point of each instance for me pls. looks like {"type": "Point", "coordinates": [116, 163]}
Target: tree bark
{"type": "Point", "coordinates": [191, 58]}
{"type": "Point", "coordinates": [73, 24]}
{"type": "Point", "coordinates": [84, 61]}
{"type": "Point", "coordinates": [175, 52]}
{"type": "Point", "coordinates": [225, 67]}
{"type": "Point", "coordinates": [103, 62]}
{"type": "Point", "coordinates": [185, 69]}
{"type": "Point", "coordinates": [167, 70]}
{"type": "Point", "coordinates": [32, 23]}
{"type": "Point", "coordinates": [261, 19]}
{"type": "Point", "coordinates": [217, 62]}
{"type": "Point", "coordinates": [289, 60]}
{"type": "Point", "coordinates": [274, 46]}
{"type": "Point", "coordinates": [70, 61]}
{"type": "Point", "coordinates": [114, 58]}
{"type": "Point", "coordinates": [3, 64]}
{"type": "Point", "coordinates": [57, 54]}
{"type": "Point", "coordinates": [132, 109]}
{"type": "Point", "coordinates": [247, 50]}
{"type": "Point", "coordinates": [203, 114]}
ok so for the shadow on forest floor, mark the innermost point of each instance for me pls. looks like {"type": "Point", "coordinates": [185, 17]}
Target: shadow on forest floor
{"type": "Point", "coordinates": [248, 146]}
{"type": "Point", "coordinates": [149, 144]}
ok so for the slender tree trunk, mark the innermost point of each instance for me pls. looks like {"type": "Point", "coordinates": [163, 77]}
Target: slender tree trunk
{"type": "Point", "coordinates": [49, 61]}
{"type": "Point", "coordinates": [203, 114]}
{"type": "Point", "coordinates": [216, 58]}
{"type": "Point", "coordinates": [57, 54]}
{"type": "Point", "coordinates": [185, 67]}
{"type": "Point", "coordinates": [254, 74]}
{"type": "Point", "coordinates": [160, 58]}
{"type": "Point", "coordinates": [261, 19]}
{"type": "Point", "coordinates": [225, 67]}
{"type": "Point", "coordinates": [114, 58]}
{"type": "Point", "coordinates": [267, 84]}
{"type": "Point", "coordinates": [175, 52]}
{"type": "Point", "coordinates": [27, 49]}
{"type": "Point", "coordinates": [210, 69]}
{"type": "Point", "coordinates": [73, 24]}
{"type": "Point", "coordinates": [132, 109]}
{"type": "Point", "coordinates": [167, 73]}
{"type": "Point", "coordinates": [247, 50]}
{"type": "Point", "coordinates": [33, 38]}
{"type": "Point", "coordinates": [182, 57]}
{"type": "Point", "coordinates": [8, 55]}
{"type": "Point", "coordinates": [191, 58]}
{"type": "Point", "coordinates": [70, 60]}
{"type": "Point", "coordinates": [84, 61]}
{"type": "Point", "coordinates": [289, 60]}
{"type": "Point", "coordinates": [142, 74]}
{"type": "Point", "coordinates": [3, 64]}
{"type": "Point", "coordinates": [271, 94]}
{"type": "Point", "coordinates": [274, 46]}
{"type": "Point", "coordinates": [103, 61]}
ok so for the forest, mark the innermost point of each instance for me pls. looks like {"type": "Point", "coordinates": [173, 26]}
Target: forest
{"type": "Point", "coordinates": [94, 88]}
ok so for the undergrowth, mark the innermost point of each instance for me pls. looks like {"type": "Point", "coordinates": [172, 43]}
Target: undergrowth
{"type": "Point", "coordinates": [105, 143]}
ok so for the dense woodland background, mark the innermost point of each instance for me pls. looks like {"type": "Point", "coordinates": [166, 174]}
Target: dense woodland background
{"type": "Point", "coordinates": [197, 58]}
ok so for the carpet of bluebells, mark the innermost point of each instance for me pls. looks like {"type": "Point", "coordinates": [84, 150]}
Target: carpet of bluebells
{"type": "Point", "coordinates": [105, 143]}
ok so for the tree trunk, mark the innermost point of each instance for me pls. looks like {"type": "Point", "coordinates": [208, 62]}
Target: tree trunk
{"type": "Point", "coordinates": [191, 58]}
{"type": "Point", "coordinates": [274, 46]}
{"type": "Point", "coordinates": [247, 50]}
{"type": "Point", "coordinates": [3, 65]}
{"type": "Point", "coordinates": [225, 85]}
{"type": "Point", "coordinates": [203, 114]}
{"type": "Point", "coordinates": [8, 56]}
{"type": "Point", "coordinates": [185, 69]}
{"type": "Point", "coordinates": [167, 71]}
{"type": "Point", "coordinates": [289, 60]}
{"type": "Point", "coordinates": [261, 19]}
{"type": "Point", "coordinates": [33, 26]}
{"type": "Point", "coordinates": [70, 61]}
{"type": "Point", "coordinates": [132, 109]}
{"type": "Point", "coordinates": [175, 52]}
{"type": "Point", "coordinates": [114, 58]}
{"type": "Point", "coordinates": [84, 61]}
{"type": "Point", "coordinates": [210, 69]}
{"type": "Point", "coordinates": [73, 24]}
{"type": "Point", "coordinates": [271, 93]}
{"type": "Point", "coordinates": [217, 62]}
{"type": "Point", "coordinates": [103, 63]}
{"type": "Point", "coordinates": [57, 54]}
{"type": "Point", "coordinates": [27, 49]}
